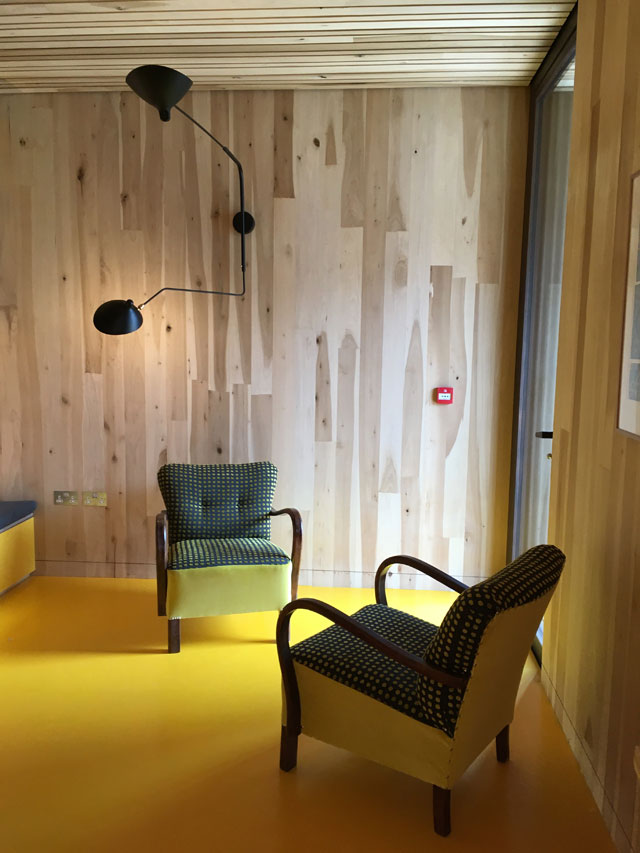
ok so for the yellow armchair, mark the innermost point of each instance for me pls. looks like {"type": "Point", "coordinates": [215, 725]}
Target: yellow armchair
{"type": "Point", "coordinates": [423, 699]}
{"type": "Point", "coordinates": [213, 548]}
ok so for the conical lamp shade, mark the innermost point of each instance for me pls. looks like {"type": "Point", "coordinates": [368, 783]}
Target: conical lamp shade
{"type": "Point", "coordinates": [159, 86]}
{"type": "Point", "coordinates": [117, 317]}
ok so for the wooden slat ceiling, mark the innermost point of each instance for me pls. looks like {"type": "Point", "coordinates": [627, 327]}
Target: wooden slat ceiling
{"type": "Point", "coordinates": [74, 45]}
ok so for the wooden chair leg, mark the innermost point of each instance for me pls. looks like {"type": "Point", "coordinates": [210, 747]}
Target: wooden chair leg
{"type": "Point", "coordinates": [174, 636]}
{"type": "Point", "coordinates": [502, 745]}
{"type": "Point", "coordinates": [441, 810]}
{"type": "Point", "coordinates": [288, 750]}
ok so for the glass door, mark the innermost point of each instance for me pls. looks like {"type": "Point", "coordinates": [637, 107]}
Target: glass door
{"type": "Point", "coordinates": [544, 311]}
{"type": "Point", "coordinates": [552, 104]}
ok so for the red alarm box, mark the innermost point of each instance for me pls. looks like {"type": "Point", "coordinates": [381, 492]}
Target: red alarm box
{"type": "Point", "coordinates": [444, 396]}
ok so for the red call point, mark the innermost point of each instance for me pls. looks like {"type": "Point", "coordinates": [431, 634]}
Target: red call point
{"type": "Point", "coordinates": [444, 396]}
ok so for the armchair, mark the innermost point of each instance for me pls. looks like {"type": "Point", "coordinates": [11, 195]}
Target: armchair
{"type": "Point", "coordinates": [213, 550]}
{"type": "Point", "coordinates": [422, 699]}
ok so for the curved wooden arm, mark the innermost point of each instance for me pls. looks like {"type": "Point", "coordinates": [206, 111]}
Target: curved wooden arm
{"type": "Point", "coordinates": [415, 563]}
{"type": "Point", "coordinates": [162, 553]}
{"type": "Point", "coordinates": [296, 545]}
{"type": "Point", "coordinates": [372, 638]}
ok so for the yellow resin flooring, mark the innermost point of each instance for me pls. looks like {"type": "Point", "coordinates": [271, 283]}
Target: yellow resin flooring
{"type": "Point", "coordinates": [109, 744]}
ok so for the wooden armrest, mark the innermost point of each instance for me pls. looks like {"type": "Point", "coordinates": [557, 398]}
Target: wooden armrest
{"type": "Point", "coordinates": [162, 554]}
{"type": "Point", "coordinates": [415, 563]}
{"type": "Point", "coordinates": [296, 545]}
{"type": "Point", "coordinates": [372, 638]}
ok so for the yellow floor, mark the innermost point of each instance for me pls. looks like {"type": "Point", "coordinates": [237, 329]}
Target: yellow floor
{"type": "Point", "coordinates": [109, 744]}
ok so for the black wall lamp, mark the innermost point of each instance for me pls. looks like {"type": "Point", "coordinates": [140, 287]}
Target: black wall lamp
{"type": "Point", "coordinates": [163, 87]}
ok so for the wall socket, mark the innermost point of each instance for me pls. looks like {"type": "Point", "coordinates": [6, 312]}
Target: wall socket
{"type": "Point", "coordinates": [94, 498]}
{"type": "Point", "coordinates": [65, 498]}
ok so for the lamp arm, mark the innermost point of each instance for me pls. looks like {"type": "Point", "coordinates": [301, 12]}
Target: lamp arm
{"type": "Point", "coordinates": [232, 157]}
{"type": "Point", "coordinates": [240, 182]}
{"type": "Point", "coordinates": [191, 290]}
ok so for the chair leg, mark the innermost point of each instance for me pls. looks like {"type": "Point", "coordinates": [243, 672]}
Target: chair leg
{"type": "Point", "coordinates": [502, 745]}
{"type": "Point", "coordinates": [174, 636]}
{"type": "Point", "coordinates": [441, 810]}
{"type": "Point", "coordinates": [288, 750]}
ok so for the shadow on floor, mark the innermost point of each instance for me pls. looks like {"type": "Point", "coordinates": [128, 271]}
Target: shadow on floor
{"type": "Point", "coordinates": [95, 615]}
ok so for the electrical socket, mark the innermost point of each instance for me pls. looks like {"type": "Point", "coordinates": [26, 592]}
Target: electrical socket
{"type": "Point", "coordinates": [65, 498]}
{"type": "Point", "coordinates": [94, 498]}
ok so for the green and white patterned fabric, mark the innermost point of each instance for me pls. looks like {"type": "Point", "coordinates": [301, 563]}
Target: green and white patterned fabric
{"type": "Point", "coordinates": [339, 655]}
{"type": "Point", "coordinates": [218, 501]}
{"type": "Point", "coordinates": [452, 647]}
{"type": "Point", "coordinates": [200, 553]}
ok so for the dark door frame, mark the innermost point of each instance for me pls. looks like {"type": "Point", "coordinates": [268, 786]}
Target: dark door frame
{"type": "Point", "coordinates": [552, 68]}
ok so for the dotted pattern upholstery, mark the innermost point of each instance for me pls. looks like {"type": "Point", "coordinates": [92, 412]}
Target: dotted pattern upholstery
{"type": "Point", "coordinates": [201, 553]}
{"type": "Point", "coordinates": [342, 657]}
{"type": "Point", "coordinates": [452, 647]}
{"type": "Point", "coordinates": [218, 501]}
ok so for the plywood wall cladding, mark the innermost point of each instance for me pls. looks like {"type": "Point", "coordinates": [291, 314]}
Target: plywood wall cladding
{"type": "Point", "coordinates": [273, 44]}
{"type": "Point", "coordinates": [384, 263]}
{"type": "Point", "coordinates": [592, 633]}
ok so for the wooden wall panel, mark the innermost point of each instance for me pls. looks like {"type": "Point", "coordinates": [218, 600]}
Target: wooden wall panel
{"type": "Point", "coordinates": [385, 262]}
{"type": "Point", "coordinates": [592, 633]}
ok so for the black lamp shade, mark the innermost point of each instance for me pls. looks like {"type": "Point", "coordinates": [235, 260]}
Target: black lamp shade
{"type": "Point", "coordinates": [117, 317]}
{"type": "Point", "coordinates": [159, 86]}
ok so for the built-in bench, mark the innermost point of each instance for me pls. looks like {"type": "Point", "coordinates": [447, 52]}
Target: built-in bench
{"type": "Point", "coordinates": [17, 547]}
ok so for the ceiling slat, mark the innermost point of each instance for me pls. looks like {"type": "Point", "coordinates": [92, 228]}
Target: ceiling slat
{"type": "Point", "coordinates": [75, 45]}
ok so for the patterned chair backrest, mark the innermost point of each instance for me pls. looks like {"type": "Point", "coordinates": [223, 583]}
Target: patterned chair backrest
{"type": "Point", "coordinates": [455, 644]}
{"type": "Point", "coordinates": [218, 501]}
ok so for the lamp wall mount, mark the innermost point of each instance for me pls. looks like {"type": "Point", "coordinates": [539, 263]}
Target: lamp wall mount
{"type": "Point", "coordinates": [243, 219]}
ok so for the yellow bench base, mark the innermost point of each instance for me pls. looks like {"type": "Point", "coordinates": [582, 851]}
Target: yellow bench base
{"type": "Point", "coordinates": [17, 554]}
